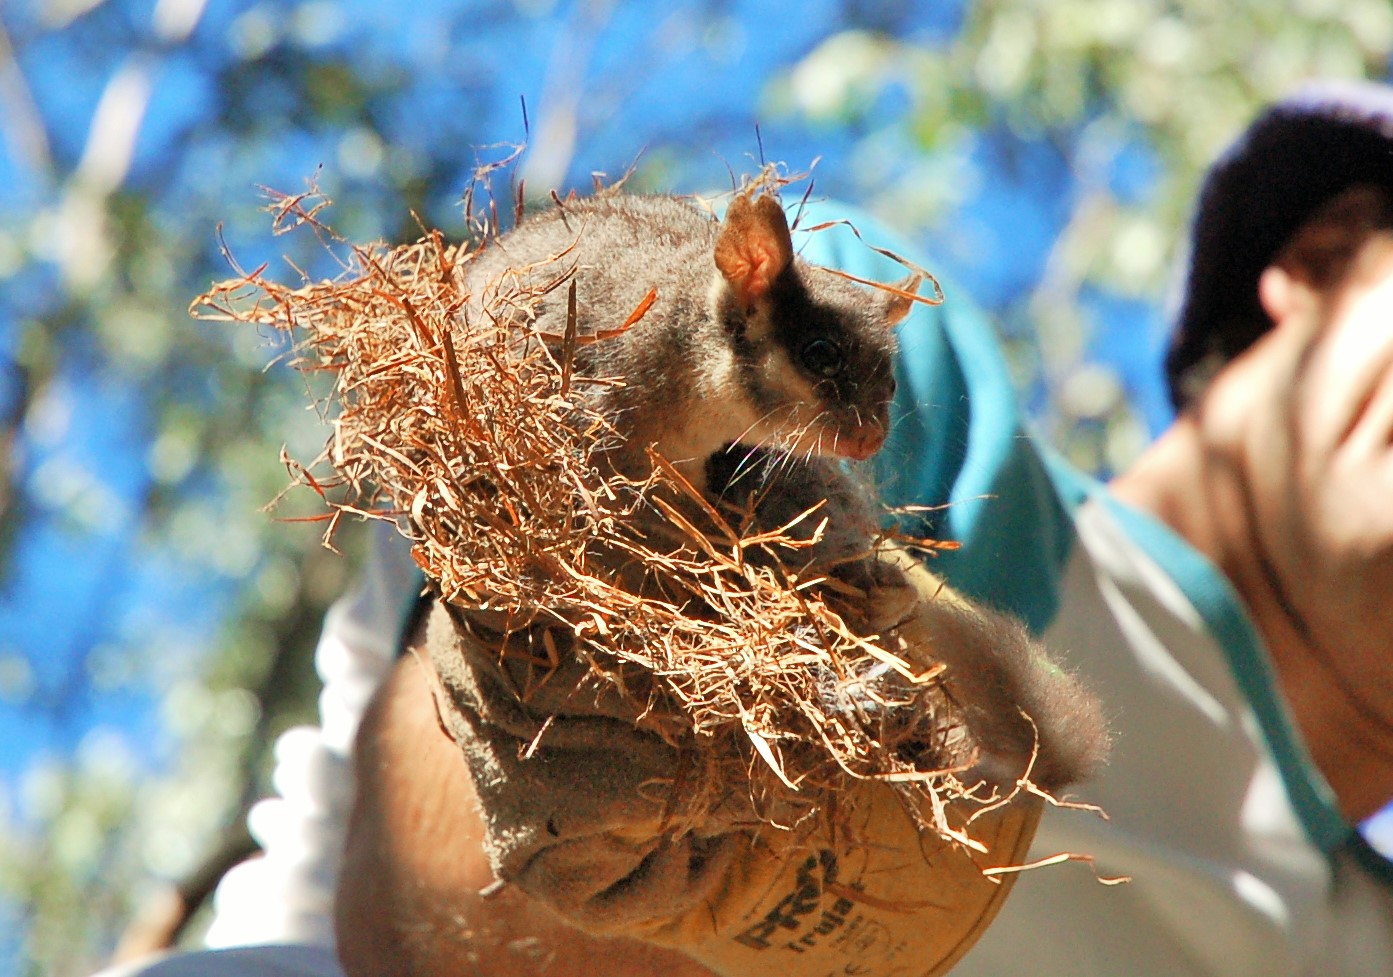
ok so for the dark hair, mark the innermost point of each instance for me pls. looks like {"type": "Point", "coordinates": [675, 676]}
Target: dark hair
{"type": "Point", "coordinates": [1298, 155]}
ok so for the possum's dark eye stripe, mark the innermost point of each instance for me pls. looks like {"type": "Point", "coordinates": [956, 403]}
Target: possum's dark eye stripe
{"type": "Point", "coordinates": [823, 357]}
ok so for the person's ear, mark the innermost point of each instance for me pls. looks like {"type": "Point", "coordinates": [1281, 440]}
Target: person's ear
{"type": "Point", "coordinates": [1278, 292]}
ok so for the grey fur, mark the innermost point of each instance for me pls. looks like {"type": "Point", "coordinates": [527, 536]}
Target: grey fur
{"type": "Point", "coordinates": [700, 372]}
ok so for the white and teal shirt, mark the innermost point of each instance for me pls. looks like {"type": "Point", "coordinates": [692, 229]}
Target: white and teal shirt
{"type": "Point", "coordinates": [1240, 861]}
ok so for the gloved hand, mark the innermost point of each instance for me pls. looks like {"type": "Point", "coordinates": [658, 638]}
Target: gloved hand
{"type": "Point", "coordinates": [579, 792]}
{"type": "Point", "coordinates": [589, 809]}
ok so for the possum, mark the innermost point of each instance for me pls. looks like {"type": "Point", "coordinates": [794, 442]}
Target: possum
{"type": "Point", "coordinates": [759, 375]}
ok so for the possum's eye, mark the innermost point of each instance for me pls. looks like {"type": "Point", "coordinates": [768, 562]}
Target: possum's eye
{"type": "Point", "coordinates": [823, 357]}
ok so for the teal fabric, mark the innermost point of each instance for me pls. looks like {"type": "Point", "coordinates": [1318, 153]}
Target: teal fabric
{"type": "Point", "coordinates": [968, 457]}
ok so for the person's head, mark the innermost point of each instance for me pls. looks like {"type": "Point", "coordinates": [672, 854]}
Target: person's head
{"type": "Point", "coordinates": [1321, 161]}
{"type": "Point", "coordinates": [1280, 466]}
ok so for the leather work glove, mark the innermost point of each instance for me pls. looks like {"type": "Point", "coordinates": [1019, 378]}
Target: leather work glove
{"type": "Point", "coordinates": [588, 809]}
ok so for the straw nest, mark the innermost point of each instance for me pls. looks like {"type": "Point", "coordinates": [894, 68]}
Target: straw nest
{"type": "Point", "coordinates": [473, 439]}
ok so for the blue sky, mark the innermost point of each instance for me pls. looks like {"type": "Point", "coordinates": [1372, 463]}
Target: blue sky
{"type": "Point", "coordinates": [84, 580]}
{"type": "Point", "coordinates": [650, 79]}
{"type": "Point", "coordinates": [646, 76]}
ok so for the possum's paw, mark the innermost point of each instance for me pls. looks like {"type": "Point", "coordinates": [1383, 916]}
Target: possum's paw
{"type": "Point", "coordinates": [890, 598]}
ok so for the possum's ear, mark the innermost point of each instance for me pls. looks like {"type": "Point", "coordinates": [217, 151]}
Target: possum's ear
{"type": "Point", "coordinates": [753, 247]}
{"type": "Point", "coordinates": [896, 300]}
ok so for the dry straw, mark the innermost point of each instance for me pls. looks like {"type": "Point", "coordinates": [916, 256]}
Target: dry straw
{"type": "Point", "coordinates": [473, 439]}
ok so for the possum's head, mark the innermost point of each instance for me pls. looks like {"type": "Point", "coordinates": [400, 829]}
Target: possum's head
{"type": "Point", "coordinates": [816, 353]}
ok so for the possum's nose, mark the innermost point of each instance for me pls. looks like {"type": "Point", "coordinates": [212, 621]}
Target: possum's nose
{"type": "Point", "coordinates": [862, 442]}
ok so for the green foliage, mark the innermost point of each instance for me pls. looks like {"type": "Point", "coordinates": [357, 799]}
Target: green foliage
{"type": "Point", "coordinates": [78, 838]}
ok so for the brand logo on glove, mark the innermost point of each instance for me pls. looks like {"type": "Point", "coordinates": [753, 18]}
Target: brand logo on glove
{"type": "Point", "coordinates": [794, 910]}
